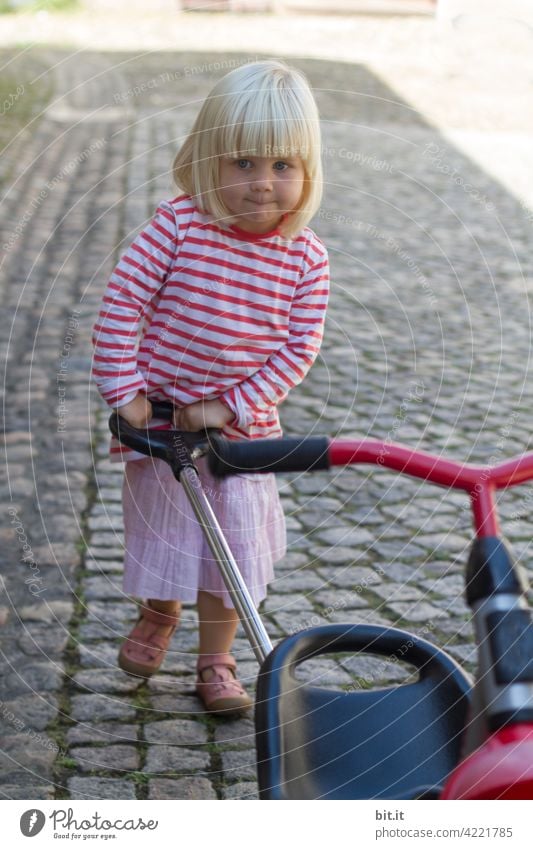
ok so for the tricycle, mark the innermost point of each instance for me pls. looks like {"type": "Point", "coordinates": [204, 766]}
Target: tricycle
{"type": "Point", "coordinates": [442, 736]}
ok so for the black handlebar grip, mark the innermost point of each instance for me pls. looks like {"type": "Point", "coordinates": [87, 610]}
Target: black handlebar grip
{"type": "Point", "coordinates": [289, 454]}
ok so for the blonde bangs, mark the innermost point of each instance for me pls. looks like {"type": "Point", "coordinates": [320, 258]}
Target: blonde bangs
{"type": "Point", "coordinates": [264, 127]}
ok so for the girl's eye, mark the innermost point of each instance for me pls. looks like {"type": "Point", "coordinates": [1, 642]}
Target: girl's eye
{"type": "Point", "coordinates": [280, 166]}
{"type": "Point", "coordinates": [243, 163]}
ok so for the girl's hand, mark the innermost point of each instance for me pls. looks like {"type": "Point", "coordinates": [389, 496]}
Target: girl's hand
{"type": "Point", "coordinates": [202, 415]}
{"type": "Point", "coordinates": [138, 412]}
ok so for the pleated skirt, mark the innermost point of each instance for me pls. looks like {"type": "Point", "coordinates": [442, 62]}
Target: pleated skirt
{"type": "Point", "coordinates": [167, 555]}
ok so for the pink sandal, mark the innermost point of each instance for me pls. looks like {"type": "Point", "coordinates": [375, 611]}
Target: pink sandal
{"type": "Point", "coordinates": [223, 692]}
{"type": "Point", "coordinates": [143, 655]}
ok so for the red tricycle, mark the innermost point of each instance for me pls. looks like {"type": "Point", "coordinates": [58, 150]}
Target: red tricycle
{"type": "Point", "coordinates": [442, 736]}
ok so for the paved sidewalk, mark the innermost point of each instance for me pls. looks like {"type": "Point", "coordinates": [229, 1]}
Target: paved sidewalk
{"type": "Point", "coordinates": [428, 342]}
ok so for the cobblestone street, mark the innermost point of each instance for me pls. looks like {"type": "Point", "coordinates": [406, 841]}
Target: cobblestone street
{"type": "Point", "coordinates": [428, 342]}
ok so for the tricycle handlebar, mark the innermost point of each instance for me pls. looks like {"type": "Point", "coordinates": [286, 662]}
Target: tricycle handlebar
{"type": "Point", "coordinates": [293, 454]}
{"type": "Point", "coordinates": [312, 453]}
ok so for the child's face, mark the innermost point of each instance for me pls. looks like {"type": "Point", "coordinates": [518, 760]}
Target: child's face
{"type": "Point", "coordinates": [258, 190]}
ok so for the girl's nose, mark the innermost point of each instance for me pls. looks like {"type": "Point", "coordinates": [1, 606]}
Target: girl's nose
{"type": "Point", "coordinates": [261, 186]}
{"type": "Point", "coordinates": [261, 181]}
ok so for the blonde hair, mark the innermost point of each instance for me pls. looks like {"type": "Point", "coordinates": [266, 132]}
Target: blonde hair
{"type": "Point", "coordinates": [263, 108]}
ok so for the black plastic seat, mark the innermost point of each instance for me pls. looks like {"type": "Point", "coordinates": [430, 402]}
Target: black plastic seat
{"type": "Point", "coordinates": [395, 743]}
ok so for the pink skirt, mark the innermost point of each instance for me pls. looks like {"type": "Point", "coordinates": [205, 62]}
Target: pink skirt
{"type": "Point", "coordinates": [167, 556]}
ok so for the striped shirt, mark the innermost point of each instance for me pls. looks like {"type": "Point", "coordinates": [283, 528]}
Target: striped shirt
{"type": "Point", "coordinates": [197, 310]}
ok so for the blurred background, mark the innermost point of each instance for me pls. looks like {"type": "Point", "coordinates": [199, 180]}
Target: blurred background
{"type": "Point", "coordinates": [427, 214]}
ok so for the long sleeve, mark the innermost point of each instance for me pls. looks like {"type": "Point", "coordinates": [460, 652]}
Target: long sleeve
{"type": "Point", "coordinates": [287, 367]}
{"type": "Point", "coordinates": [137, 278]}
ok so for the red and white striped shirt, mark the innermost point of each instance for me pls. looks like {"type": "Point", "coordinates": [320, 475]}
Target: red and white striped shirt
{"type": "Point", "coordinates": [221, 313]}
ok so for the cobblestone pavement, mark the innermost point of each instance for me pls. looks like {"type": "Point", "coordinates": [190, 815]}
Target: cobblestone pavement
{"type": "Point", "coordinates": [428, 343]}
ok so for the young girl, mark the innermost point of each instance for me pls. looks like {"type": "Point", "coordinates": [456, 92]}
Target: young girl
{"type": "Point", "coordinates": [227, 287]}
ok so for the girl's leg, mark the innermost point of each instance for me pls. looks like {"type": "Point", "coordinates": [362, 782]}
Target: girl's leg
{"type": "Point", "coordinates": [217, 683]}
{"type": "Point", "coordinates": [218, 624]}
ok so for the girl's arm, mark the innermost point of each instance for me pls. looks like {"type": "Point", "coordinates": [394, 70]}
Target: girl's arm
{"type": "Point", "coordinates": [289, 364]}
{"type": "Point", "coordinates": [139, 275]}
